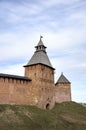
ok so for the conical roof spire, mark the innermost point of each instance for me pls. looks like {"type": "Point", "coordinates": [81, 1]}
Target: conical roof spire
{"type": "Point", "coordinates": [62, 79]}
{"type": "Point", "coordinates": [40, 55]}
{"type": "Point", "coordinates": [40, 41]}
{"type": "Point", "coordinates": [40, 46]}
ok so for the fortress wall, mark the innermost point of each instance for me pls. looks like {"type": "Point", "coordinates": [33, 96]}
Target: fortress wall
{"type": "Point", "coordinates": [4, 91]}
{"type": "Point", "coordinates": [41, 91]}
{"type": "Point", "coordinates": [62, 92]}
{"type": "Point", "coordinates": [15, 91]}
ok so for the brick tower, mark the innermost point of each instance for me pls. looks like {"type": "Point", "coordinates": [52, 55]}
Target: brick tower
{"type": "Point", "coordinates": [62, 89]}
{"type": "Point", "coordinates": [41, 72]}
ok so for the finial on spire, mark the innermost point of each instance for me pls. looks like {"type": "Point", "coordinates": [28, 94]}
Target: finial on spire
{"type": "Point", "coordinates": [61, 73]}
{"type": "Point", "coordinates": [41, 36]}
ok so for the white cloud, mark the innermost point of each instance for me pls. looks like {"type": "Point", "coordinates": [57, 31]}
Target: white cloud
{"type": "Point", "coordinates": [58, 2]}
{"type": "Point", "coordinates": [65, 38]}
{"type": "Point", "coordinates": [63, 26]}
{"type": "Point", "coordinates": [15, 46]}
{"type": "Point", "coordinates": [78, 95]}
{"type": "Point", "coordinates": [15, 13]}
{"type": "Point", "coordinates": [13, 69]}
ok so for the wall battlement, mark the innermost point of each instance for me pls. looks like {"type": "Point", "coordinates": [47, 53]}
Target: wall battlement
{"type": "Point", "coordinates": [13, 81]}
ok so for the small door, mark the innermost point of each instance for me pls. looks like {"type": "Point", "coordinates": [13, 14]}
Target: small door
{"type": "Point", "coordinates": [47, 106]}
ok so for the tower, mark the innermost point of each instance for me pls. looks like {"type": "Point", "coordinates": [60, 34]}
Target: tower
{"type": "Point", "coordinates": [62, 89]}
{"type": "Point", "coordinates": [41, 72]}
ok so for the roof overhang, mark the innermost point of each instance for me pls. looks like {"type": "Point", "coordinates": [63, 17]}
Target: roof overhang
{"type": "Point", "coordinates": [40, 64]}
{"type": "Point", "coordinates": [17, 77]}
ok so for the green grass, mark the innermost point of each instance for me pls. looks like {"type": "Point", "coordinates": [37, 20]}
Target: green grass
{"type": "Point", "coordinates": [64, 116]}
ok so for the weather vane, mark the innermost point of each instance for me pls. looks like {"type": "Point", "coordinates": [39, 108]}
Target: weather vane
{"type": "Point", "coordinates": [41, 36]}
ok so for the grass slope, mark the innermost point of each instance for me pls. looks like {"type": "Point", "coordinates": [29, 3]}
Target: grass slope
{"type": "Point", "coordinates": [64, 116]}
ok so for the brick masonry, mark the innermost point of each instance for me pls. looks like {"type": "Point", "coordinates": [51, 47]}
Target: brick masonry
{"type": "Point", "coordinates": [41, 91]}
{"type": "Point", "coordinates": [62, 92]}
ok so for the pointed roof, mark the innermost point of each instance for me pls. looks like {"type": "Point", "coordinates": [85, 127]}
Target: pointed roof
{"type": "Point", "coordinates": [63, 79]}
{"type": "Point", "coordinates": [40, 56]}
{"type": "Point", "coordinates": [40, 42]}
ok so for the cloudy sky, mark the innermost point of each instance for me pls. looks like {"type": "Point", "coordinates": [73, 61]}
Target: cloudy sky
{"type": "Point", "coordinates": [62, 23]}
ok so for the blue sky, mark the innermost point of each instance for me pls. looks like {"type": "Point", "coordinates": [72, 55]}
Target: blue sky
{"type": "Point", "coordinates": [62, 23]}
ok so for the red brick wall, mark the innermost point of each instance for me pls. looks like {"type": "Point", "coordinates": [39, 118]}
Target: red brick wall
{"type": "Point", "coordinates": [62, 92]}
{"type": "Point", "coordinates": [14, 91]}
